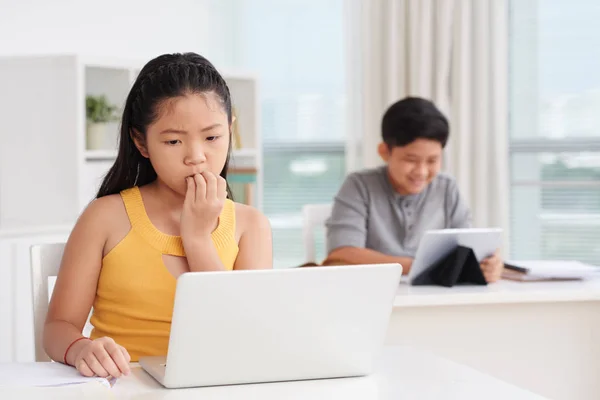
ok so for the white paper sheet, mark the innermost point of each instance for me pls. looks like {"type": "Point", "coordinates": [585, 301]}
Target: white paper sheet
{"type": "Point", "coordinates": [43, 374]}
{"type": "Point", "coordinates": [89, 390]}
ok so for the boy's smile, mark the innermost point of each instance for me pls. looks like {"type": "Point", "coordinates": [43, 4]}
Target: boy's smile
{"type": "Point", "coordinates": [412, 167]}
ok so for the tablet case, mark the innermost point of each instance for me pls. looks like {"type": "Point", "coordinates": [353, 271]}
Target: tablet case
{"type": "Point", "coordinates": [459, 266]}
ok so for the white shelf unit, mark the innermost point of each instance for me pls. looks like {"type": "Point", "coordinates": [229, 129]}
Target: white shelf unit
{"type": "Point", "coordinates": [248, 155]}
{"type": "Point", "coordinates": [47, 173]}
{"type": "Point", "coordinates": [99, 155]}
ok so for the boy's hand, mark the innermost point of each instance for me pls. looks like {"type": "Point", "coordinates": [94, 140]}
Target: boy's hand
{"type": "Point", "coordinates": [101, 357]}
{"type": "Point", "coordinates": [492, 267]}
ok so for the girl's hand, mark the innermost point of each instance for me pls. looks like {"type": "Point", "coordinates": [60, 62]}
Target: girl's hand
{"type": "Point", "coordinates": [204, 201]}
{"type": "Point", "coordinates": [101, 357]}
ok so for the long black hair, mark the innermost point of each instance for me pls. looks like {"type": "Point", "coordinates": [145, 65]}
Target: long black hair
{"type": "Point", "coordinates": [167, 76]}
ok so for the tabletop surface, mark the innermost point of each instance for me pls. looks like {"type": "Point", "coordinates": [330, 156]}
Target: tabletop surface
{"type": "Point", "coordinates": [401, 373]}
{"type": "Point", "coordinates": [503, 291]}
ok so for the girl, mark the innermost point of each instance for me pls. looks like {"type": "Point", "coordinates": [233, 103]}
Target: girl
{"type": "Point", "coordinates": [163, 209]}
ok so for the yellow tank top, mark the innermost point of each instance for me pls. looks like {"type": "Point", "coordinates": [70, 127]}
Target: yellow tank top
{"type": "Point", "coordinates": [135, 293]}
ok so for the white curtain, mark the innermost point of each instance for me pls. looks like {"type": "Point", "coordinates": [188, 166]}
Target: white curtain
{"type": "Point", "coordinates": [453, 52]}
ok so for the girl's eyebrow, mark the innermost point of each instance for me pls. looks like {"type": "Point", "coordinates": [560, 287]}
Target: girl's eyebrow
{"type": "Point", "coordinates": [208, 128]}
{"type": "Point", "coordinates": [173, 131]}
{"type": "Point", "coordinates": [182, 132]}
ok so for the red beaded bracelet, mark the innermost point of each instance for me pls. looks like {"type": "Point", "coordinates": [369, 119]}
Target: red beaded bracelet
{"type": "Point", "coordinates": [71, 345]}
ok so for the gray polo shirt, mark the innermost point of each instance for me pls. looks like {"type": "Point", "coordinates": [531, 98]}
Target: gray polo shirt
{"type": "Point", "coordinates": [369, 213]}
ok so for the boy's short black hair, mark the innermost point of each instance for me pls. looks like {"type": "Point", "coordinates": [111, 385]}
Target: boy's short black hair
{"type": "Point", "coordinates": [413, 118]}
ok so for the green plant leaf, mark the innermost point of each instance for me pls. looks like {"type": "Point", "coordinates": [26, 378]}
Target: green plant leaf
{"type": "Point", "coordinates": [99, 110]}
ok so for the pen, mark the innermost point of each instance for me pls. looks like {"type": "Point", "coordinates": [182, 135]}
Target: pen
{"type": "Point", "coordinates": [516, 268]}
{"type": "Point", "coordinates": [111, 380]}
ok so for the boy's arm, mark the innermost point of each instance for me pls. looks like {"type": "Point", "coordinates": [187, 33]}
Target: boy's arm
{"type": "Point", "coordinates": [356, 255]}
{"type": "Point", "coordinates": [347, 225]}
{"type": "Point", "coordinates": [459, 213]}
{"type": "Point", "coordinates": [347, 228]}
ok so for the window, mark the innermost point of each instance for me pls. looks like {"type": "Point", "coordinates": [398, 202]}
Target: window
{"type": "Point", "coordinates": [297, 49]}
{"type": "Point", "coordinates": [555, 129]}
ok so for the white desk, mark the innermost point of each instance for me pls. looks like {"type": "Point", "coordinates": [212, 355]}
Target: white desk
{"type": "Point", "coordinates": [402, 373]}
{"type": "Point", "coordinates": [541, 336]}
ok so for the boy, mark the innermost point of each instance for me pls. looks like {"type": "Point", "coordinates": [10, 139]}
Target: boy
{"type": "Point", "coordinates": [379, 215]}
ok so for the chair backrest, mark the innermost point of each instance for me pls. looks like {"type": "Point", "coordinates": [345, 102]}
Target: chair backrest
{"type": "Point", "coordinates": [313, 216]}
{"type": "Point", "coordinates": [45, 262]}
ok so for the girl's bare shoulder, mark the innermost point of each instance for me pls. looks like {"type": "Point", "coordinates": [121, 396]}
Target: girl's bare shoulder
{"type": "Point", "coordinates": [108, 217]}
{"type": "Point", "coordinates": [107, 206]}
{"type": "Point", "coordinates": [249, 218]}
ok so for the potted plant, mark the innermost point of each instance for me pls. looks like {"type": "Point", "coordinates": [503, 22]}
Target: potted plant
{"type": "Point", "coordinates": [99, 112]}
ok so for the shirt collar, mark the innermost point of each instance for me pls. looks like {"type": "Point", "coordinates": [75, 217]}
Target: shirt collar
{"type": "Point", "coordinates": [398, 198]}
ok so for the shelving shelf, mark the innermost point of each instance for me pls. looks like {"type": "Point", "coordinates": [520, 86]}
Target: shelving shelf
{"type": "Point", "coordinates": [52, 149]}
{"type": "Point", "coordinates": [101, 155]}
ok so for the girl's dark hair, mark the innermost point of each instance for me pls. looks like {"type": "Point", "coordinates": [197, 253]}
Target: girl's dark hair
{"type": "Point", "coordinates": [165, 77]}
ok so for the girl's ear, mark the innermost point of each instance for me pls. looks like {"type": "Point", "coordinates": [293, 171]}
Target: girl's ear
{"type": "Point", "coordinates": [139, 142]}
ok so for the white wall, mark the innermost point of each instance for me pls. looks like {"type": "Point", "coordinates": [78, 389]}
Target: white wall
{"type": "Point", "coordinates": [122, 29]}
{"type": "Point", "coordinates": [139, 29]}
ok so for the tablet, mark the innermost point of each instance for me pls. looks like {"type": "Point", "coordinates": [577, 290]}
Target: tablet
{"type": "Point", "coordinates": [437, 244]}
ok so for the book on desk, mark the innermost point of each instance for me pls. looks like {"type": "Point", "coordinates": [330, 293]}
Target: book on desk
{"type": "Point", "coordinates": [548, 270]}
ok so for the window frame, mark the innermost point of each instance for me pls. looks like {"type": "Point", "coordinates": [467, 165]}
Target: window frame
{"type": "Point", "coordinates": [556, 146]}
{"type": "Point", "coordinates": [298, 146]}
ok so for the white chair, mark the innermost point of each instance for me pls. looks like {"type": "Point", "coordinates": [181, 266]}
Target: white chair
{"type": "Point", "coordinates": [45, 262]}
{"type": "Point", "coordinates": [313, 217]}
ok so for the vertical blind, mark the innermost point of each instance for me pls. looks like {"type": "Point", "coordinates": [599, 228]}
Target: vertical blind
{"type": "Point", "coordinates": [555, 130]}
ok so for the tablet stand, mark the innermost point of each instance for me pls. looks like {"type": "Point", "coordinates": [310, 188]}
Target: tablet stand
{"type": "Point", "coordinates": [459, 266]}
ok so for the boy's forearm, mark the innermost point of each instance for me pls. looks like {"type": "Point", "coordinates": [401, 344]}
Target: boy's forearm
{"type": "Point", "coordinates": [357, 255]}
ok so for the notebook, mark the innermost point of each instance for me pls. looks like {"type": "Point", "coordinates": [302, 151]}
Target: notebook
{"type": "Point", "coordinates": [548, 270]}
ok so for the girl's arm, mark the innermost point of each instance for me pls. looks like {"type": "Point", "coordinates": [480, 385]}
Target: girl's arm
{"type": "Point", "coordinates": [256, 240]}
{"type": "Point", "coordinates": [74, 295]}
{"type": "Point", "coordinates": [202, 254]}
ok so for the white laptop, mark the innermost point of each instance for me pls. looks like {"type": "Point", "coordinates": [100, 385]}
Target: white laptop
{"type": "Point", "coordinates": [436, 244]}
{"type": "Point", "coordinates": [240, 327]}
